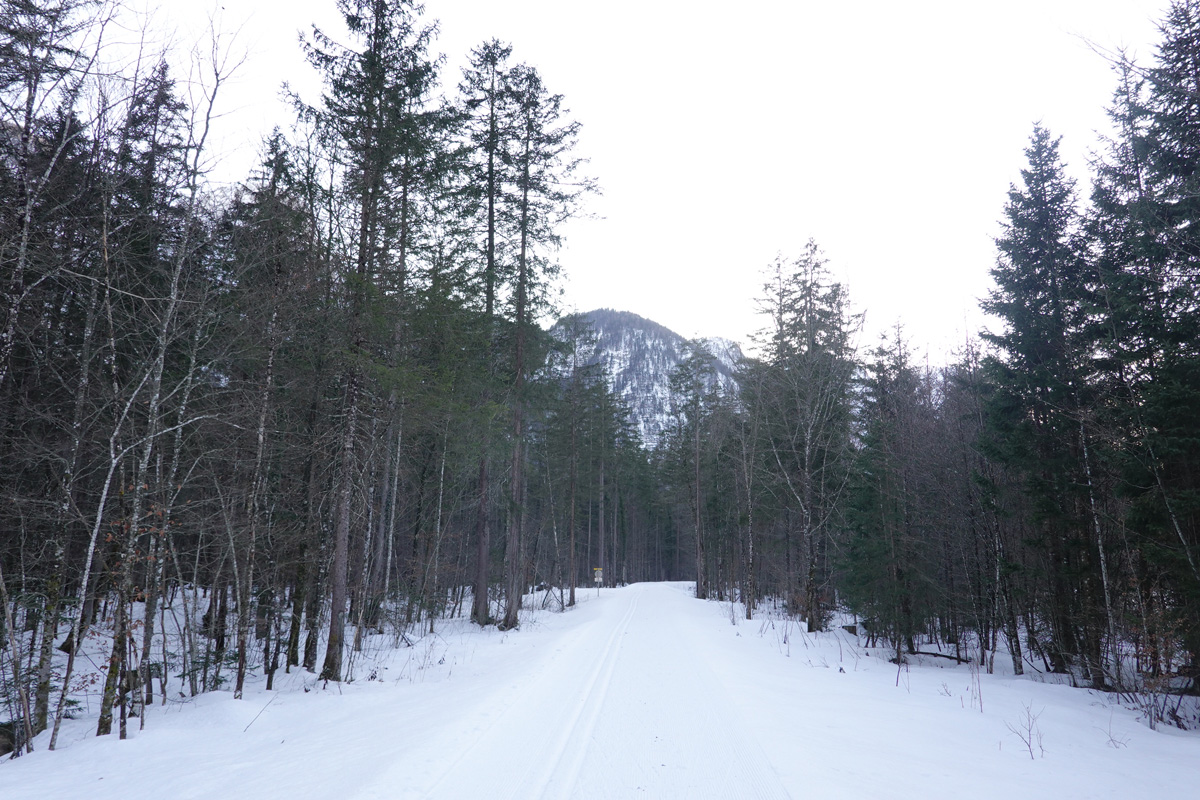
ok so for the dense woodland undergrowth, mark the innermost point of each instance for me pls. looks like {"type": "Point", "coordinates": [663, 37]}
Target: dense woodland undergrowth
{"type": "Point", "coordinates": [320, 406]}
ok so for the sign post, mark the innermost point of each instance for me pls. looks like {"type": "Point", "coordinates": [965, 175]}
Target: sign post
{"type": "Point", "coordinates": [598, 577]}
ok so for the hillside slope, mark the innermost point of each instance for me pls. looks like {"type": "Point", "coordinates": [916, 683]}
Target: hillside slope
{"type": "Point", "coordinates": [638, 356]}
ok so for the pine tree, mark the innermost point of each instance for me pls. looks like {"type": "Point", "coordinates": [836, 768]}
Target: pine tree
{"type": "Point", "coordinates": [693, 396]}
{"type": "Point", "coordinates": [801, 393]}
{"type": "Point", "coordinates": [888, 567]}
{"type": "Point", "coordinates": [1142, 230]}
{"type": "Point", "coordinates": [1044, 379]}
{"type": "Point", "coordinates": [486, 102]}
{"type": "Point", "coordinates": [368, 115]}
{"type": "Point", "coordinates": [545, 193]}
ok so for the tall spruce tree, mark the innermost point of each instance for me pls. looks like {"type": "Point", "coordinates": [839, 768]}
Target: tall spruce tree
{"type": "Point", "coordinates": [372, 95]}
{"type": "Point", "coordinates": [545, 192]}
{"type": "Point", "coordinates": [801, 394]}
{"type": "Point", "coordinates": [693, 396]}
{"type": "Point", "coordinates": [888, 577]}
{"type": "Point", "coordinates": [486, 102]}
{"type": "Point", "coordinates": [1142, 229]}
{"type": "Point", "coordinates": [1043, 374]}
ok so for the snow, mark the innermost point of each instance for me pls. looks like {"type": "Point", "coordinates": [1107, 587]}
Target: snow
{"type": "Point", "coordinates": [640, 691]}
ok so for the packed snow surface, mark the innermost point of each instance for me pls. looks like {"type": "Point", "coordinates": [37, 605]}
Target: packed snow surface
{"type": "Point", "coordinates": [641, 691]}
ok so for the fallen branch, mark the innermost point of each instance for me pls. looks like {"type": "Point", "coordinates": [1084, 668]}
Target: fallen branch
{"type": "Point", "coordinates": [941, 655]}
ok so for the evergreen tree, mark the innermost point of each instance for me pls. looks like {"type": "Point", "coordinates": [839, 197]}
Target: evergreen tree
{"type": "Point", "coordinates": [373, 95]}
{"type": "Point", "coordinates": [889, 569]}
{"type": "Point", "coordinates": [693, 397]}
{"type": "Point", "coordinates": [545, 193]}
{"type": "Point", "coordinates": [1142, 231]}
{"type": "Point", "coordinates": [801, 394]}
{"type": "Point", "coordinates": [1045, 390]}
{"type": "Point", "coordinates": [486, 100]}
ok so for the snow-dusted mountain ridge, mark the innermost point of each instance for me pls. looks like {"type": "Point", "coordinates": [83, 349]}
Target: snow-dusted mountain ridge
{"type": "Point", "coordinates": [638, 356]}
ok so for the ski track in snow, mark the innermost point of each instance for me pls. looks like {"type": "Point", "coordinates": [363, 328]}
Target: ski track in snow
{"type": "Point", "coordinates": [623, 708]}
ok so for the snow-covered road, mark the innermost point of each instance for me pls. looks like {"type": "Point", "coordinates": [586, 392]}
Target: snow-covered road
{"type": "Point", "coordinates": [640, 692]}
{"type": "Point", "coordinates": [625, 706]}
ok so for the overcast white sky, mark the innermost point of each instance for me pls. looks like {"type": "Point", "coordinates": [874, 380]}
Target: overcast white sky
{"type": "Point", "coordinates": [724, 134]}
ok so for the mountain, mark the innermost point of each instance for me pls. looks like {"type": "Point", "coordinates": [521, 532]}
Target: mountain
{"type": "Point", "coordinates": [637, 356]}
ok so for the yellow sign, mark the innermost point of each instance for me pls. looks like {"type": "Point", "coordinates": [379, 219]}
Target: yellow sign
{"type": "Point", "coordinates": [599, 574]}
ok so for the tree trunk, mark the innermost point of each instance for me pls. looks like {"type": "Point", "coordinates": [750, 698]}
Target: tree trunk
{"type": "Point", "coordinates": [701, 583]}
{"type": "Point", "coordinates": [513, 557]}
{"type": "Point", "coordinates": [480, 611]}
{"type": "Point", "coordinates": [331, 670]}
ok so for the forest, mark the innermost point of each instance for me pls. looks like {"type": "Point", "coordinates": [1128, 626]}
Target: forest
{"type": "Point", "coordinates": [266, 423]}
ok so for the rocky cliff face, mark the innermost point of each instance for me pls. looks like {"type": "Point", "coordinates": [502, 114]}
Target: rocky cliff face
{"type": "Point", "coordinates": [637, 356]}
